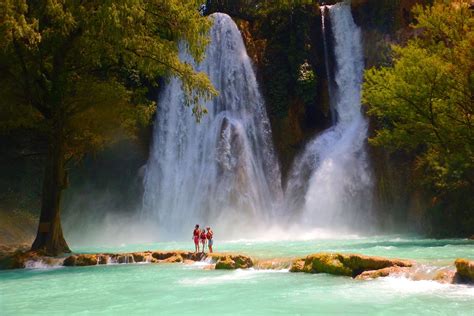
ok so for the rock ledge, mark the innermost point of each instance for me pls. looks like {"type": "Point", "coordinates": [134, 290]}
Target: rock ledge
{"type": "Point", "coordinates": [346, 264]}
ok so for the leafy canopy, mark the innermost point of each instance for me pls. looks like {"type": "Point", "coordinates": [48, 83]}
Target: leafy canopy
{"type": "Point", "coordinates": [424, 102]}
{"type": "Point", "coordinates": [84, 66]}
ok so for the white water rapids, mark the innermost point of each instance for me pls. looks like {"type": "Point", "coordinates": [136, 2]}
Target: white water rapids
{"type": "Point", "coordinates": [223, 171]}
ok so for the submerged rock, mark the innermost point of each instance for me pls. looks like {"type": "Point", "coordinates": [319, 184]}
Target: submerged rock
{"type": "Point", "coordinates": [273, 264]}
{"type": "Point", "coordinates": [464, 271]}
{"type": "Point", "coordinates": [344, 264]}
{"type": "Point", "coordinates": [374, 274]}
{"type": "Point", "coordinates": [445, 276]}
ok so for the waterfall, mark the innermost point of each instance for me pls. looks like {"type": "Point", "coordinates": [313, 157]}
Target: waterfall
{"type": "Point", "coordinates": [222, 171]}
{"type": "Point", "coordinates": [326, 63]}
{"type": "Point", "coordinates": [330, 182]}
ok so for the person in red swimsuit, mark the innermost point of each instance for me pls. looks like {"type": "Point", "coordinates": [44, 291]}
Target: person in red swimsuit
{"type": "Point", "coordinates": [196, 233]}
{"type": "Point", "coordinates": [210, 235]}
{"type": "Point", "coordinates": [203, 240]}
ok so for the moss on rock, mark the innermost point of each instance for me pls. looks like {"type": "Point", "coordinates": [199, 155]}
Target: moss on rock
{"type": "Point", "coordinates": [344, 264]}
{"type": "Point", "coordinates": [81, 260]}
{"type": "Point", "coordinates": [231, 262]}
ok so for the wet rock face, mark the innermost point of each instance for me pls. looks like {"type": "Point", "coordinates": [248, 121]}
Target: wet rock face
{"type": "Point", "coordinates": [344, 264]}
{"type": "Point", "coordinates": [464, 271]}
{"type": "Point", "coordinates": [19, 259]}
{"type": "Point", "coordinates": [81, 260]}
{"type": "Point", "coordinates": [220, 261]}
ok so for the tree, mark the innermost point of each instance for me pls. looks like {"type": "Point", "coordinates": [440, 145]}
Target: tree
{"type": "Point", "coordinates": [424, 101]}
{"type": "Point", "coordinates": [73, 70]}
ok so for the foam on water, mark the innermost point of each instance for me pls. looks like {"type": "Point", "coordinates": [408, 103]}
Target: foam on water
{"type": "Point", "coordinates": [238, 275]}
{"type": "Point", "coordinates": [41, 265]}
{"type": "Point", "coordinates": [406, 286]}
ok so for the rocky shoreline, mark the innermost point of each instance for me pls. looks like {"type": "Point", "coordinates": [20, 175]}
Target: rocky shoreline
{"type": "Point", "coordinates": [357, 266]}
{"type": "Point", "coordinates": [26, 259]}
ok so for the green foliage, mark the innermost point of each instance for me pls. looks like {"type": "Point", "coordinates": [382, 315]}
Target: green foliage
{"type": "Point", "coordinates": [252, 9]}
{"type": "Point", "coordinates": [306, 83]}
{"type": "Point", "coordinates": [424, 101]}
{"type": "Point", "coordinates": [286, 70]}
{"type": "Point", "coordinates": [285, 27]}
{"type": "Point", "coordinates": [77, 66]}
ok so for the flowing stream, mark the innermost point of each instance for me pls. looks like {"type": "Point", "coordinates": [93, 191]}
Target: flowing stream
{"type": "Point", "coordinates": [330, 183]}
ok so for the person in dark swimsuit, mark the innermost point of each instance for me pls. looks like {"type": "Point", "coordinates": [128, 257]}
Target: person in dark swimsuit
{"type": "Point", "coordinates": [210, 241]}
{"type": "Point", "coordinates": [196, 234]}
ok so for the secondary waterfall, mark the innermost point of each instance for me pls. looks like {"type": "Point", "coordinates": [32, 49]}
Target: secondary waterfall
{"type": "Point", "coordinates": [222, 171]}
{"type": "Point", "coordinates": [330, 182]}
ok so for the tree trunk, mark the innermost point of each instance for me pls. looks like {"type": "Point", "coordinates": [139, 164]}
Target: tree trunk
{"type": "Point", "coordinates": [49, 238]}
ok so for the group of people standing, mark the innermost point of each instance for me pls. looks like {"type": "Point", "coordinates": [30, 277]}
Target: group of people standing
{"type": "Point", "coordinates": [200, 235]}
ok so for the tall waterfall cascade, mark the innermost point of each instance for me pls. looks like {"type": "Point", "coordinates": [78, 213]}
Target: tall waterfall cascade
{"type": "Point", "coordinates": [330, 184]}
{"type": "Point", "coordinates": [222, 171]}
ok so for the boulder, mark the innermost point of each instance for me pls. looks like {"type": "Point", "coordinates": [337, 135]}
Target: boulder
{"type": "Point", "coordinates": [464, 271]}
{"type": "Point", "coordinates": [141, 256]}
{"type": "Point", "coordinates": [225, 263]}
{"type": "Point", "coordinates": [344, 264]}
{"type": "Point", "coordinates": [81, 260]}
{"type": "Point", "coordinates": [297, 265]}
{"type": "Point", "coordinates": [231, 262]}
{"type": "Point", "coordinates": [173, 259]}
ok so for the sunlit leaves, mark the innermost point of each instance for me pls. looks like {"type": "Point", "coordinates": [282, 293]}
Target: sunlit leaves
{"type": "Point", "coordinates": [424, 102]}
{"type": "Point", "coordinates": [81, 65]}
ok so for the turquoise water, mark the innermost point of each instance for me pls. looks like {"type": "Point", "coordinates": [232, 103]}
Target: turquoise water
{"type": "Point", "coordinates": [189, 289]}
